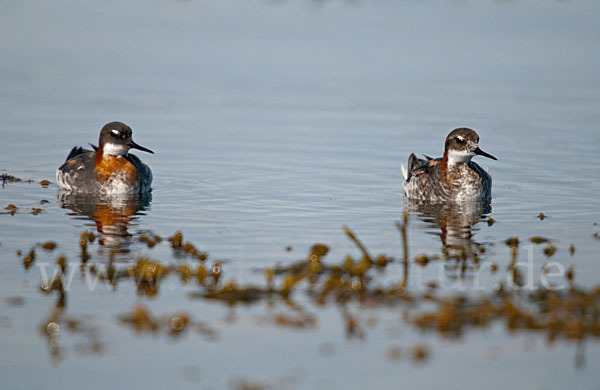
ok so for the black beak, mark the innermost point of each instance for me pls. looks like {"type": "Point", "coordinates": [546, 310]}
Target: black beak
{"type": "Point", "coordinates": [484, 154]}
{"type": "Point", "coordinates": [133, 145]}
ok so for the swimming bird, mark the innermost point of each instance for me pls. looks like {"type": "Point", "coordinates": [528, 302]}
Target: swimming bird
{"type": "Point", "coordinates": [109, 168]}
{"type": "Point", "coordinates": [453, 177]}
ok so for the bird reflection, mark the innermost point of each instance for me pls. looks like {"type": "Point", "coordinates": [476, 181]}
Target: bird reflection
{"type": "Point", "coordinates": [456, 223]}
{"type": "Point", "coordinates": [111, 216]}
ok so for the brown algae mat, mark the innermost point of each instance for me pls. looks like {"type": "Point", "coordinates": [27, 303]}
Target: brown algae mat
{"type": "Point", "coordinates": [571, 313]}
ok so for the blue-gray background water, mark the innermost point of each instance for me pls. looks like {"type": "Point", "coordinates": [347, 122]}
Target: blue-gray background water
{"type": "Point", "coordinates": [275, 123]}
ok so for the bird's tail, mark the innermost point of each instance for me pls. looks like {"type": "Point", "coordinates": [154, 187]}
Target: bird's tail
{"type": "Point", "coordinates": [413, 161]}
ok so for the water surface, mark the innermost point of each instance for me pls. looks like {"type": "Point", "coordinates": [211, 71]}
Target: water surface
{"type": "Point", "coordinates": [275, 124]}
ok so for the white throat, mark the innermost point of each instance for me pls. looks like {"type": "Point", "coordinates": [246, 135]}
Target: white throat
{"type": "Point", "coordinates": [458, 156]}
{"type": "Point", "coordinates": [115, 149]}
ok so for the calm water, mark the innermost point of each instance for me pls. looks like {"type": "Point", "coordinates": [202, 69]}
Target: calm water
{"type": "Point", "coordinates": [274, 124]}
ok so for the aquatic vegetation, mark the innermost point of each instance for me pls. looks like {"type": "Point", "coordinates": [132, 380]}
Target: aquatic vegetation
{"type": "Point", "coordinates": [420, 352]}
{"type": "Point", "coordinates": [550, 250]}
{"type": "Point", "coordinates": [149, 238]}
{"type": "Point", "coordinates": [512, 242]}
{"type": "Point", "coordinates": [148, 271]}
{"type": "Point", "coordinates": [86, 237]}
{"type": "Point", "coordinates": [539, 240]}
{"type": "Point", "coordinates": [293, 292]}
{"type": "Point", "coordinates": [49, 245]}
{"type": "Point", "coordinates": [494, 266]}
{"type": "Point", "coordinates": [570, 314]}
{"type": "Point", "coordinates": [141, 321]}
{"type": "Point", "coordinates": [29, 259]}
{"type": "Point", "coordinates": [176, 240]}
{"type": "Point", "coordinates": [423, 259]}
{"type": "Point", "coordinates": [6, 178]}
{"type": "Point", "coordinates": [11, 209]}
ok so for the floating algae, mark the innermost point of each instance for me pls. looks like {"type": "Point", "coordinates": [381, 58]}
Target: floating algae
{"type": "Point", "coordinates": [550, 250]}
{"type": "Point", "coordinates": [6, 178]}
{"type": "Point", "coordinates": [49, 245]}
{"type": "Point", "coordinates": [512, 242]}
{"type": "Point", "coordinates": [571, 313]}
{"type": "Point", "coordinates": [539, 240]}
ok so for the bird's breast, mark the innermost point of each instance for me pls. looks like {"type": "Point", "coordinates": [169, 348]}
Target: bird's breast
{"type": "Point", "coordinates": [110, 167]}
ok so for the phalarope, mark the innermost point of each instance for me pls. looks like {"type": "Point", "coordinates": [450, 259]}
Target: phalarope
{"type": "Point", "coordinates": [110, 168]}
{"type": "Point", "coordinates": [453, 177]}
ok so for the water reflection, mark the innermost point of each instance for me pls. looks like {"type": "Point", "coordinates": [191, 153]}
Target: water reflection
{"type": "Point", "coordinates": [111, 216]}
{"type": "Point", "coordinates": [455, 225]}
